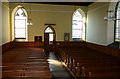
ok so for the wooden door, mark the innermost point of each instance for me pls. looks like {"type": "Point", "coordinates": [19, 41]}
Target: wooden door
{"type": "Point", "coordinates": [46, 42]}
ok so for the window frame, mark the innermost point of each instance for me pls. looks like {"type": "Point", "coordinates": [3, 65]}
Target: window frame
{"type": "Point", "coordinates": [20, 19]}
{"type": "Point", "coordinates": [115, 22]}
{"type": "Point", "coordinates": [81, 30]}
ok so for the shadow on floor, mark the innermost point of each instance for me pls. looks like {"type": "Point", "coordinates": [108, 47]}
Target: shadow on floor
{"type": "Point", "coordinates": [57, 69]}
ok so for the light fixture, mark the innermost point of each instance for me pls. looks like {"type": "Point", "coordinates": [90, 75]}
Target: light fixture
{"type": "Point", "coordinates": [110, 16]}
{"type": "Point", "coordinates": [30, 20]}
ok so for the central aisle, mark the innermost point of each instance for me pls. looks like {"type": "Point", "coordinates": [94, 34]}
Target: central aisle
{"type": "Point", "coordinates": [57, 69]}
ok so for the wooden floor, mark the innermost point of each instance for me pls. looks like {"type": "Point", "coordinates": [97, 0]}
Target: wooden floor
{"type": "Point", "coordinates": [57, 69]}
{"type": "Point", "coordinates": [25, 63]}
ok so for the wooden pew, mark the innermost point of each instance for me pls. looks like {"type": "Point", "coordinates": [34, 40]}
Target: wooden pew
{"type": "Point", "coordinates": [91, 63]}
{"type": "Point", "coordinates": [26, 63]}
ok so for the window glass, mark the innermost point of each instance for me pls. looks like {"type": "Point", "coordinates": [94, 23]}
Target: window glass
{"type": "Point", "coordinates": [78, 27]}
{"type": "Point", "coordinates": [20, 24]}
{"type": "Point", "coordinates": [48, 30]}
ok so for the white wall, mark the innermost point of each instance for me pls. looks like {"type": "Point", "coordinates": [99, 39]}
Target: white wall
{"type": "Point", "coordinates": [5, 23]}
{"type": "Point", "coordinates": [96, 25]}
{"type": "Point", "coordinates": [0, 23]}
{"type": "Point", "coordinates": [111, 24]}
{"type": "Point", "coordinates": [98, 30]}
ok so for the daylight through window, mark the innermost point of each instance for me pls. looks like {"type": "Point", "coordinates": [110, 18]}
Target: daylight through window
{"type": "Point", "coordinates": [117, 34]}
{"type": "Point", "coordinates": [78, 27]}
{"type": "Point", "coordinates": [20, 24]}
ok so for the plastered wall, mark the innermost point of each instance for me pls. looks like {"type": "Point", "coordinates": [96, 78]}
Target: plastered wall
{"type": "Point", "coordinates": [0, 23]}
{"type": "Point", "coordinates": [61, 15]}
{"type": "Point", "coordinates": [96, 25]}
{"type": "Point", "coordinates": [111, 24]}
{"type": "Point", "coordinates": [98, 30]}
{"type": "Point", "coordinates": [5, 23]}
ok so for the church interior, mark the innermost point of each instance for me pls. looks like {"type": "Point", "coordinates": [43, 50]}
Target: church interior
{"type": "Point", "coordinates": [59, 40]}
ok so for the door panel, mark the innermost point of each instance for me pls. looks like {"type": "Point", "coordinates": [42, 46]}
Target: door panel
{"type": "Point", "coordinates": [46, 42]}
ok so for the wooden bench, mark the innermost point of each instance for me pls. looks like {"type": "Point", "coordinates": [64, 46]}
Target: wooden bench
{"type": "Point", "coordinates": [25, 63]}
{"type": "Point", "coordinates": [90, 63]}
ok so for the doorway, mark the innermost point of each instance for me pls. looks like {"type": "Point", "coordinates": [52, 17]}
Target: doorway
{"type": "Point", "coordinates": [49, 38]}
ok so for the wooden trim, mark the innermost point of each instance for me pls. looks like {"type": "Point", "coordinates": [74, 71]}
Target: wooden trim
{"type": "Point", "coordinates": [100, 48]}
{"type": "Point", "coordinates": [20, 38]}
{"type": "Point", "coordinates": [71, 43]}
{"type": "Point", "coordinates": [51, 24]}
{"type": "Point", "coordinates": [6, 46]}
{"type": "Point", "coordinates": [59, 44]}
{"type": "Point", "coordinates": [27, 44]}
{"type": "Point", "coordinates": [104, 49]}
{"type": "Point", "coordinates": [0, 49]}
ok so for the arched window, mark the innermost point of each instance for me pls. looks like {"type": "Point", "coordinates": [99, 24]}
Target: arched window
{"type": "Point", "coordinates": [20, 21]}
{"type": "Point", "coordinates": [117, 28]}
{"type": "Point", "coordinates": [78, 26]}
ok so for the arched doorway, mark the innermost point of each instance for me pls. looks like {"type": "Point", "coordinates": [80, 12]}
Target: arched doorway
{"type": "Point", "coordinates": [49, 38]}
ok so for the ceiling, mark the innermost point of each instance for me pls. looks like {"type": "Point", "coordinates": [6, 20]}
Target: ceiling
{"type": "Point", "coordinates": [62, 3]}
{"type": "Point", "coordinates": [67, 3]}
{"type": "Point", "coordinates": [58, 2]}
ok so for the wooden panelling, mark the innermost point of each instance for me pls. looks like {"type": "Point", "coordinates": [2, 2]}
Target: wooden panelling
{"type": "Point", "coordinates": [63, 44]}
{"type": "Point", "coordinates": [75, 44]}
{"type": "Point", "coordinates": [104, 49]}
{"type": "Point", "coordinates": [46, 42]}
{"type": "Point", "coordinates": [27, 44]}
{"type": "Point", "coordinates": [0, 50]}
{"type": "Point", "coordinates": [6, 46]}
{"type": "Point", "coordinates": [21, 44]}
{"type": "Point", "coordinates": [100, 48]}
